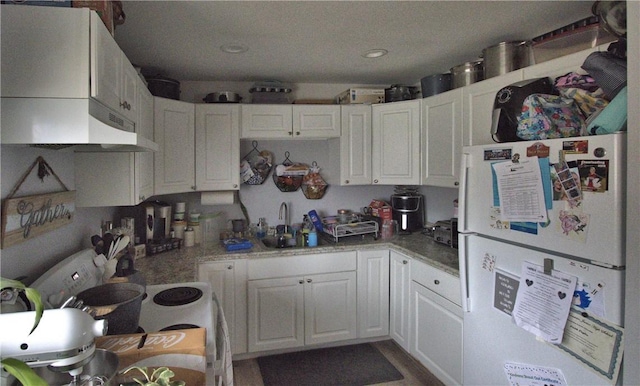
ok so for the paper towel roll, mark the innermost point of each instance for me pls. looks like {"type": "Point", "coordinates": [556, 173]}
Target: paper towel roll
{"type": "Point", "coordinates": [217, 198]}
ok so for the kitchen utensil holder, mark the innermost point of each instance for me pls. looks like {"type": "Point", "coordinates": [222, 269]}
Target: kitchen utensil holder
{"type": "Point", "coordinates": [256, 165]}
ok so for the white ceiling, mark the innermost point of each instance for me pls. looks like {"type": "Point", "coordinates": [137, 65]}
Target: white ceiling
{"type": "Point", "coordinates": [322, 41]}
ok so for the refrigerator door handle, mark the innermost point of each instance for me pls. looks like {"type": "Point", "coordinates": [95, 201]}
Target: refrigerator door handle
{"type": "Point", "coordinates": [463, 263]}
{"type": "Point", "coordinates": [462, 193]}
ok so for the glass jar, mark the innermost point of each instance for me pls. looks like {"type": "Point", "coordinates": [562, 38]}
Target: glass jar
{"type": "Point", "coordinates": [344, 216]}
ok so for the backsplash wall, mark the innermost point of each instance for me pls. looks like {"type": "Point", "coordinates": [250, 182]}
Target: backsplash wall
{"type": "Point", "coordinates": [33, 257]}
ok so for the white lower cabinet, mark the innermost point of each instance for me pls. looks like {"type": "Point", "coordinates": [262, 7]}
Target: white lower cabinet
{"type": "Point", "coordinates": [295, 301]}
{"type": "Point", "coordinates": [436, 322]}
{"type": "Point", "coordinates": [400, 278]}
{"type": "Point", "coordinates": [373, 293]}
{"type": "Point", "coordinates": [297, 311]}
{"type": "Point", "coordinates": [228, 280]}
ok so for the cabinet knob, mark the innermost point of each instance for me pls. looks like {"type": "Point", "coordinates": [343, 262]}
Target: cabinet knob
{"type": "Point", "coordinates": [235, 186]}
{"type": "Point", "coordinates": [436, 282]}
{"type": "Point", "coordinates": [309, 280]}
{"type": "Point", "coordinates": [456, 183]}
{"type": "Point", "coordinates": [297, 133]}
{"type": "Point", "coordinates": [291, 133]}
{"type": "Point", "coordinates": [193, 187]}
{"type": "Point", "coordinates": [405, 262]}
{"type": "Point", "coordinates": [375, 181]}
{"type": "Point", "coordinates": [230, 267]}
{"type": "Point", "coordinates": [125, 105]}
{"type": "Point", "coordinates": [301, 282]}
{"type": "Point", "coordinates": [346, 181]}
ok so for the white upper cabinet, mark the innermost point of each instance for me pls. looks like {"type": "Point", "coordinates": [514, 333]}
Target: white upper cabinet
{"type": "Point", "coordinates": [217, 145]}
{"type": "Point", "coordinates": [396, 143]}
{"type": "Point", "coordinates": [61, 35]}
{"type": "Point", "coordinates": [478, 107]}
{"type": "Point", "coordinates": [266, 121]}
{"type": "Point", "coordinates": [128, 179]}
{"type": "Point", "coordinates": [355, 145]}
{"type": "Point", "coordinates": [290, 121]}
{"type": "Point", "coordinates": [442, 138]}
{"type": "Point", "coordinates": [115, 82]}
{"type": "Point", "coordinates": [316, 121]}
{"type": "Point", "coordinates": [174, 162]}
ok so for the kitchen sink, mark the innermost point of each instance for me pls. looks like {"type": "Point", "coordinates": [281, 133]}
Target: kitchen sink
{"type": "Point", "coordinates": [272, 243]}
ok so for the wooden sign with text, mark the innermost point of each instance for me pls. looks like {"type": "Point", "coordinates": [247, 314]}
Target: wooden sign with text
{"type": "Point", "coordinates": [26, 217]}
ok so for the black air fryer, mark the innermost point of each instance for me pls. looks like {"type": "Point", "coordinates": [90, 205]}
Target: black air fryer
{"type": "Point", "coordinates": [508, 107]}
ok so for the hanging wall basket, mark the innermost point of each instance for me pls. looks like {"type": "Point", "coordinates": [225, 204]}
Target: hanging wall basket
{"type": "Point", "coordinates": [256, 166]}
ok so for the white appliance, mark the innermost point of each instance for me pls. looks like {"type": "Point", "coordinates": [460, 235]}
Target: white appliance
{"type": "Point", "coordinates": [590, 247]}
{"type": "Point", "coordinates": [164, 306]}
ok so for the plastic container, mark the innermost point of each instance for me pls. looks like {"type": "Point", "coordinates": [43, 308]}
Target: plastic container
{"type": "Point", "coordinates": [313, 239]}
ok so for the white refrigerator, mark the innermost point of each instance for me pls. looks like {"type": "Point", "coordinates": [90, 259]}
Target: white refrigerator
{"type": "Point", "coordinates": [555, 204]}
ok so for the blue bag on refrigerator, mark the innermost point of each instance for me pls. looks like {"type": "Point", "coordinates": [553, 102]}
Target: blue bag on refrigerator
{"type": "Point", "coordinates": [549, 116]}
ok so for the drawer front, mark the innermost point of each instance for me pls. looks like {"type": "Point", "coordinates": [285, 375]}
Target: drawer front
{"type": "Point", "coordinates": [440, 282]}
{"type": "Point", "coordinates": [265, 268]}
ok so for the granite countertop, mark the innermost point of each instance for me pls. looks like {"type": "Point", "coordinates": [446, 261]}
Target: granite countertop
{"type": "Point", "coordinates": [180, 265]}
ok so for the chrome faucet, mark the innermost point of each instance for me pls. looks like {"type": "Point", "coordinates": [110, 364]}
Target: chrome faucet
{"type": "Point", "coordinates": [284, 214]}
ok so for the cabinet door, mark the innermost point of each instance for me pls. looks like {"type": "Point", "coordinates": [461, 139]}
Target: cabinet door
{"type": "Point", "coordinates": [106, 79]}
{"type": "Point", "coordinates": [228, 280]}
{"type": "Point", "coordinates": [61, 35]}
{"type": "Point", "coordinates": [316, 121]}
{"type": "Point", "coordinates": [217, 146]}
{"type": "Point", "coordinates": [400, 278]}
{"type": "Point", "coordinates": [396, 143]}
{"type": "Point", "coordinates": [105, 179]}
{"type": "Point", "coordinates": [478, 107]}
{"type": "Point", "coordinates": [144, 127]}
{"type": "Point", "coordinates": [330, 307]}
{"type": "Point", "coordinates": [276, 313]}
{"type": "Point", "coordinates": [442, 139]}
{"type": "Point", "coordinates": [373, 293]}
{"type": "Point", "coordinates": [355, 145]}
{"type": "Point", "coordinates": [129, 89]}
{"type": "Point", "coordinates": [174, 168]}
{"type": "Point", "coordinates": [267, 121]}
{"type": "Point", "coordinates": [436, 334]}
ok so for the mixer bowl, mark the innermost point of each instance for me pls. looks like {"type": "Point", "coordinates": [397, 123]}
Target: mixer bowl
{"type": "Point", "coordinates": [102, 368]}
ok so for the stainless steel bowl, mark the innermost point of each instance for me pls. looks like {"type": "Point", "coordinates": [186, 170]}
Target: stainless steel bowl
{"type": "Point", "coordinates": [102, 368]}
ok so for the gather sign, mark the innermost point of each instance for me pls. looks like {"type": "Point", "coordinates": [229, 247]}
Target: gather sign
{"type": "Point", "coordinates": [27, 217]}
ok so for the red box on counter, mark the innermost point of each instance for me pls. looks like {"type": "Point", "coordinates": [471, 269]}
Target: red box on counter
{"type": "Point", "coordinates": [182, 351]}
{"type": "Point", "coordinates": [381, 209]}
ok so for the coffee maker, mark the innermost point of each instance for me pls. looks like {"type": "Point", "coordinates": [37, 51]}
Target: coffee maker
{"type": "Point", "coordinates": [154, 222]}
{"type": "Point", "coordinates": [408, 209]}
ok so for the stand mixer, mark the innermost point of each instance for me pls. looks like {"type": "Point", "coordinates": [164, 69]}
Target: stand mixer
{"type": "Point", "coordinates": [64, 340]}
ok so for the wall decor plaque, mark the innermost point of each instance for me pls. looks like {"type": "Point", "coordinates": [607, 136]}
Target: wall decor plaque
{"type": "Point", "coordinates": [24, 218]}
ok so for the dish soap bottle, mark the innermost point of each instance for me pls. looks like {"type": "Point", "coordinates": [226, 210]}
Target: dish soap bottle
{"type": "Point", "coordinates": [261, 229]}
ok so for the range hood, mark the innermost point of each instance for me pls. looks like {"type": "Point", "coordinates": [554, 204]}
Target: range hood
{"type": "Point", "coordinates": [84, 123]}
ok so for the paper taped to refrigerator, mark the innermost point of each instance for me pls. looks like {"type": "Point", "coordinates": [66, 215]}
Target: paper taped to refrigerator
{"type": "Point", "coordinates": [543, 302]}
{"type": "Point", "coordinates": [521, 190]}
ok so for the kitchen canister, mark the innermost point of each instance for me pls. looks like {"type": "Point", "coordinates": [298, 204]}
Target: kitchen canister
{"type": "Point", "coordinates": [179, 227]}
{"type": "Point", "coordinates": [189, 238]}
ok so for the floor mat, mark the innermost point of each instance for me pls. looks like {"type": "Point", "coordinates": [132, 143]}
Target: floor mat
{"type": "Point", "coordinates": [360, 364]}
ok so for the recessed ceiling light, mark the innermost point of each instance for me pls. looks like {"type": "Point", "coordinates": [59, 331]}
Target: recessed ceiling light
{"type": "Point", "coordinates": [378, 52]}
{"type": "Point", "coordinates": [234, 48]}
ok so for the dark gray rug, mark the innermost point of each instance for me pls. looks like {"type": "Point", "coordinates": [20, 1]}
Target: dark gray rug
{"type": "Point", "coordinates": [360, 364]}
